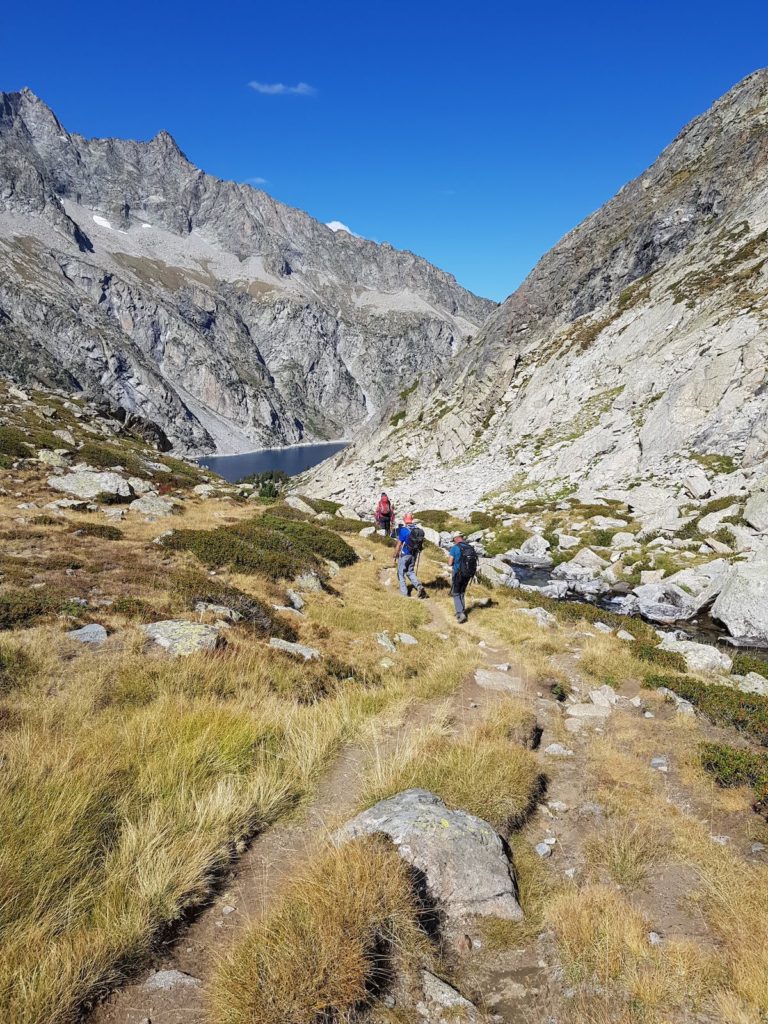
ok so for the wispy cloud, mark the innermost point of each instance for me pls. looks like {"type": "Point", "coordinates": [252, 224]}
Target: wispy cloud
{"type": "Point", "coordinates": [255, 181]}
{"type": "Point", "coordinates": [279, 89]}
{"type": "Point", "coordinates": [336, 225]}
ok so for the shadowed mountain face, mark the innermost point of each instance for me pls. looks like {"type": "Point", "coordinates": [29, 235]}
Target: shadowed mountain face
{"type": "Point", "coordinates": [205, 306]}
{"type": "Point", "coordinates": [636, 346]}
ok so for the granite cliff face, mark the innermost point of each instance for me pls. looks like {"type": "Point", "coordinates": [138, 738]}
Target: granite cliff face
{"type": "Point", "coordinates": [227, 318]}
{"type": "Point", "coordinates": [635, 350]}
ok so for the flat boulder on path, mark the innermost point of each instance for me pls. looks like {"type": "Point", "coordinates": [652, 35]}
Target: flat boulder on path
{"type": "Point", "coordinates": [491, 679]}
{"type": "Point", "coordinates": [466, 867]}
{"type": "Point", "coordinates": [180, 637]}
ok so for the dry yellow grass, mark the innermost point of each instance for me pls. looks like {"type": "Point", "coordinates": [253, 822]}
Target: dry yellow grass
{"type": "Point", "coordinates": [627, 849]}
{"type": "Point", "coordinates": [483, 771]}
{"type": "Point", "coordinates": [329, 945]}
{"type": "Point", "coordinates": [127, 776]}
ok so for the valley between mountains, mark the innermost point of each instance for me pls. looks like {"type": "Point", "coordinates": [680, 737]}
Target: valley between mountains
{"type": "Point", "coordinates": [243, 780]}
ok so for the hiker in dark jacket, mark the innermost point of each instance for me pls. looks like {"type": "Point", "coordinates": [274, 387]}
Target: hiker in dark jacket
{"type": "Point", "coordinates": [463, 561]}
{"type": "Point", "coordinates": [384, 514]}
{"type": "Point", "coordinates": [406, 554]}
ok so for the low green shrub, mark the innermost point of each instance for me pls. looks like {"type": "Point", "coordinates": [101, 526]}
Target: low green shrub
{"type": "Point", "coordinates": [135, 608]}
{"type": "Point", "coordinates": [744, 663]}
{"type": "Point", "coordinates": [315, 680]}
{"type": "Point", "coordinates": [14, 443]}
{"type": "Point", "coordinates": [506, 539]}
{"type": "Point", "coordinates": [731, 767]}
{"type": "Point", "coordinates": [189, 587]}
{"type": "Point", "coordinates": [46, 520]}
{"type": "Point", "coordinates": [16, 665]}
{"type": "Point", "coordinates": [435, 518]}
{"type": "Point", "coordinates": [482, 520]}
{"type": "Point", "coordinates": [19, 608]}
{"type": "Point", "coordinates": [576, 611]}
{"type": "Point", "coordinates": [746, 712]}
{"type": "Point", "coordinates": [322, 505]}
{"type": "Point", "coordinates": [101, 530]}
{"type": "Point", "coordinates": [311, 538]}
{"type": "Point", "coordinates": [654, 655]}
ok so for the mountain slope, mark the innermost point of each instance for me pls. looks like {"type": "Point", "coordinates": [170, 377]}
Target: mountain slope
{"type": "Point", "coordinates": [226, 317]}
{"type": "Point", "coordinates": [635, 346]}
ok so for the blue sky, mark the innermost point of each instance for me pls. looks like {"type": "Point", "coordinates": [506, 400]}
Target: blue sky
{"type": "Point", "coordinates": [475, 134]}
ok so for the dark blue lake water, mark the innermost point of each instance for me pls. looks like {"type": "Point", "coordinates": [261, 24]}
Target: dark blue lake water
{"type": "Point", "coordinates": [291, 460]}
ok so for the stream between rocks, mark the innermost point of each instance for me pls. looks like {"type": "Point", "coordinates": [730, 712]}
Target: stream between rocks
{"type": "Point", "coordinates": [703, 629]}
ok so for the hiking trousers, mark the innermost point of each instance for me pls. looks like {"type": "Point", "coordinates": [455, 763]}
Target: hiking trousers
{"type": "Point", "coordinates": [458, 590]}
{"type": "Point", "coordinates": [384, 522]}
{"type": "Point", "coordinates": [406, 570]}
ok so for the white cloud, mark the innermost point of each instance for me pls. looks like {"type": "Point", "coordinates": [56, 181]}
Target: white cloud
{"type": "Point", "coordinates": [255, 181]}
{"type": "Point", "coordinates": [336, 225]}
{"type": "Point", "coordinates": [278, 89]}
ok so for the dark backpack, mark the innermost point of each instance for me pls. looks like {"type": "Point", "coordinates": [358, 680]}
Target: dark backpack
{"type": "Point", "coordinates": [467, 561]}
{"type": "Point", "coordinates": [415, 540]}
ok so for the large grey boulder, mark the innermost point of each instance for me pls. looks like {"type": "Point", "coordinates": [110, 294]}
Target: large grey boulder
{"type": "Point", "coordinates": [151, 504]}
{"type": "Point", "coordinates": [742, 604]}
{"type": "Point", "coordinates": [442, 1004]}
{"type": "Point", "coordinates": [466, 867]}
{"type": "Point", "coordinates": [93, 633]}
{"type": "Point", "coordinates": [698, 657]}
{"type": "Point", "coordinates": [294, 501]}
{"type": "Point", "coordinates": [85, 483]}
{"type": "Point", "coordinates": [661, 602]}
{"type": "Point", "coordinates": [696, 482]}
{"type": "Point", "coordinates": [702, 582]}
{"type": "Point", "coordinates": [756, 509]}
{"type": "Point", "coordinates": [180, 637]}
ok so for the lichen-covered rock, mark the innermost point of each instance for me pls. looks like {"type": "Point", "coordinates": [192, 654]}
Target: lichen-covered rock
{"type": "Point", "coordinates": [180, 637]}
{"type": "Point", "coordinates": [466, 867]}
{"type": "Point", "coordinates": [93, 633]}
{"type": "Point", "coordinates": [85, 483]}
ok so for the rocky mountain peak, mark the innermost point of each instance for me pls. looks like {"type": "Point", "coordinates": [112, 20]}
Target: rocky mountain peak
{"type": "Point", "coordinates": [204, 305]}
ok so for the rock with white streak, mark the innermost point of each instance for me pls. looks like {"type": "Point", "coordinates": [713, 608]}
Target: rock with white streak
{"type": "Point", "coordinates": [698, 657]}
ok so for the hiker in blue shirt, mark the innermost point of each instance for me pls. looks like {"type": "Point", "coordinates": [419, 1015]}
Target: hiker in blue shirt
{"type": "Point", "coordinates": [462, 558]}
{"type": "Point", "coordinates": [410, 539]}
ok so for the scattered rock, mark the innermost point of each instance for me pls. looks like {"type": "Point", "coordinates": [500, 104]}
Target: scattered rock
{"type": "Point", "coordinates": [151, 504]}
{"type": "Point", "coordinates": [622, 634]}
{"type": "Point", "coordinates": [294, 501]}
{"type": "Point", "coordinates": [91, 634]}
{"type": "Point", "coordinates": [543, 849]}
{"type": "Point", "coordinates": [385, 641]}
{"type": "Point", "coordinates": [406, 638]}
{"type": "Point", "coordinates": [223, 612]}
{"type": "Point", "coordinates": [53, 459]}
{"type": "Point", "coordinates": [697, 484]}
{"type": "Point", "coordinates": [300, 650]}
{"type": "Point", "coordinates": [557, 750]}
{"type": "Point", "coordinates": [442, 1004]}
{"type": "Point", "coordinates": [466, 866]}
{"type": "Point", "coordinates": [603, 697]}
{"type": "Point", "coordinates": [753, 682]}
{"type": "Point", "coordinates": [167, 980]}
{"type": "Point", "coordinates": [491, 679]}
{"type": "Point", "coordinates": [661, 763]}
{"type": "Point", "coordinates": [180, 637]}
{"type": "Point", "coordinates": [309, 582]}
{"type": "Point", "coordinates": [544, 618]}
{"type": "Point", "coordinates": [654, 938]}
{"type": "Point", "coordinates": [587, 711]}
{"type": "Point", "coordinates": [368, 531]}
{"type": "Point", "coordinates": [756, 509]}
{"type": "Point", "coordinates": [296, 599]}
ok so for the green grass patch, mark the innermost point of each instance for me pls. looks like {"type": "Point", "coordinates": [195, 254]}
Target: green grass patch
{"type": "Point", "coordinates": [731, 767]}
{"type": "Point", "coordinates": [16, 666]}
{"type": "Point", "coordinates": [670, 661]}
{"type": "Point", "coordinates": [746, 712]}
{"type": "Point", "coordinates": [322, 505]}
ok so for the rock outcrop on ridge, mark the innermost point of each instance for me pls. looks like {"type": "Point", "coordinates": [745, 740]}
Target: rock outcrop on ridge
{"type": "Point", "coordinates": [204, 306]}
{"type": "Point", "coordinates": [635, 351]}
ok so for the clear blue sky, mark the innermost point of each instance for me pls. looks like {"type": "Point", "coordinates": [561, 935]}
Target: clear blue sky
{"type": "Point", "coordinates": [475, 134]}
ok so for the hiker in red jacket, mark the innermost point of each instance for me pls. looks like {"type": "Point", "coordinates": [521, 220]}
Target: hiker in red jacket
{"type": "Point", "coordinates": [385, 513]}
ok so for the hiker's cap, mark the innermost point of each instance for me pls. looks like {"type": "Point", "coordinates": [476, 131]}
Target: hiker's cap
{"type": "Point", "coordinates": [408, 518]}
{"type": "Point", "coordinates": [458, 536]}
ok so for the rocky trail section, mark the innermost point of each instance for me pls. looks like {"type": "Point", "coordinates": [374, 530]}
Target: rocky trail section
{"type": "Point", "coordinates": [205, 306]}
{"type": "Point", "coordinates": [635, 350]}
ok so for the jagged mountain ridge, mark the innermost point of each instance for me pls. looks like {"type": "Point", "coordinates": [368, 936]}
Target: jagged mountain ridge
{"type": "Point", "coordinates": [636, 345]}
{"type": "Point", "coordinates": [206, 306]}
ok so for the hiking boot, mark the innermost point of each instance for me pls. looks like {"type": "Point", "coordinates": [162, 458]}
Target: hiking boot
{"type": "Point", "coordinates": [461, 618]}
{"type": "Point", "coordinates": [422, 593]}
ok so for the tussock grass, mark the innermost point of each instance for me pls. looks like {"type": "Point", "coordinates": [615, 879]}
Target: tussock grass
{"type": "Point", "coordinates": [483, 772]}
{"type": "Point", "coordinates": [329, 945]}
{"type": "Point", "coordinates": [627, 850]}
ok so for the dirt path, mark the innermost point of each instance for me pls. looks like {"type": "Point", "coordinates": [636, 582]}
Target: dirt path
{"type": "Point", "coordinates": [258, 877]}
